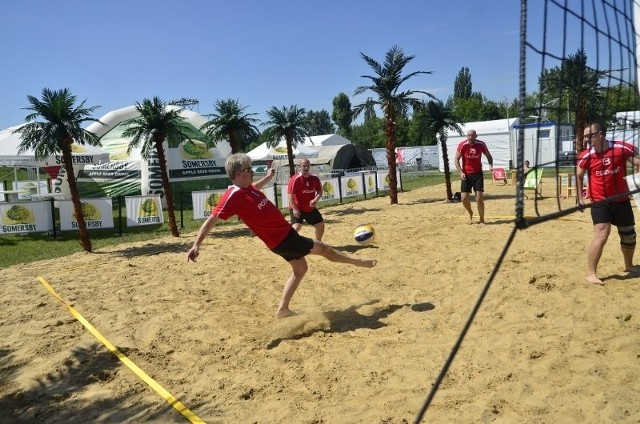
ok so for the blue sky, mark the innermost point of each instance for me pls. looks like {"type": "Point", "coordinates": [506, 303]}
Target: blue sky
{"type": "Point", "coordinates": [264, 53]}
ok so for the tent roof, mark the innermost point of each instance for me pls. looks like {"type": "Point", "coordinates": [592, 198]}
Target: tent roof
{"type": "Point", "coordinates": [9, 145]}
{"type": "Point", "coordinates": [488, 127]}
{"type": "Point", "coordinates": [346, 156]}
{"type": "Point", "coordinates": [111, 136]}
{"type": "Point", "coordinates": [263, 153]}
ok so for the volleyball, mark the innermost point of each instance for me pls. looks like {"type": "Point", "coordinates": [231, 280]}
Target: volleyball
{"type": "Point", "coordinates": [364, 234]}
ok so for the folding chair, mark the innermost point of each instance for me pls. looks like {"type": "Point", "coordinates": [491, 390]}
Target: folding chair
{"type": "Point", "coordinates": [499, 176]}
{"type": "Point", "coordinates": [533, 181]}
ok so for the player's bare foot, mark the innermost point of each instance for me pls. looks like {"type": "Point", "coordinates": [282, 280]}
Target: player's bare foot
{"type": "Point", "coordinates": [481, 222]}
{"type": "Point", "coordinates": [368, 263]}
{"type": "Point", "coordinates": [594, 280]}
{"type": "Point", "coordinates": [285, 314]}
{"type": "Point", "coordinates": [634, 269]}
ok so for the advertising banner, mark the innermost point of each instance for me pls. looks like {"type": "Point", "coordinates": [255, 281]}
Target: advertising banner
{"type": "Point", "coordinates": [98, 213]}
{"type": "Point", "coordinates": [330, 190]}
{"type": "Point", "coordinates": [25, 217]}
{"type": "Point", "coordinates": [204, 201]}
{"type": "Point", "coordinates": [352, 185]}
{"type": "Point", "coordinates": [370, 182]}
{"type": "Point", "coordinates": [143, 210]}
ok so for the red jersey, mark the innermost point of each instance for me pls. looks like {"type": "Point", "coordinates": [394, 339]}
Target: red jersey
{"type": "Point", "coordinates": [472, 155]}
{"type": "Point", "coordinates": [304, 190]}
{"type": "Point", "coordinates": [256, 211]}
{"type": "Point", "coordinates": [606, 170]}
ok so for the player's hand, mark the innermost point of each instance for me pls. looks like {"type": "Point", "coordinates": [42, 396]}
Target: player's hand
{"type": "Point", "coordinates": [192, 254]}
{"type": "Point", "coordinates": [271, 172]}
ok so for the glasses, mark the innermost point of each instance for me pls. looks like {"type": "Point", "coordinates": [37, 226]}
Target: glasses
{"type": "Point", "coordinates": [248, 169]}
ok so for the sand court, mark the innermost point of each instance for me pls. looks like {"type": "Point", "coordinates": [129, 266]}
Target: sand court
{"type": "Point", "coordinates": [366, 344]}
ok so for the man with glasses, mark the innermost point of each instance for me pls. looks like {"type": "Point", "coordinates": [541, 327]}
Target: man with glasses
{"type": "Point", "coordinates": [605, 164]}
{"type": "Point", "coordinates": [245, 200]}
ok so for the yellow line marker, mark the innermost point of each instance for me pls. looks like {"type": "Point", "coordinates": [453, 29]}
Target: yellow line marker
{"type": "Point", "coordinates": [133, 367]}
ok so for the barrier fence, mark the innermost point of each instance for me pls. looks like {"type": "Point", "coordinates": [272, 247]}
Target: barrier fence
{"type": "Point", "coordinates": [49, 213]}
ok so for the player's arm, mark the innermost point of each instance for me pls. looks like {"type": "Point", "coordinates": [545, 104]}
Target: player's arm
{"type": "Point", "coordinates": [264, 180]}
{"type": "Point", "coordinates": [579, 184]}
{"type": "Point", "coordinates": [319, 192]}
{"type": "Point", "coordinates": [635, 161]}
{"type": "Point", "coordinates": [206, 227]}
{"type": "Point", "coordinates": [489, 159]}
{"type": "Point", "coordinates": [457, 163]}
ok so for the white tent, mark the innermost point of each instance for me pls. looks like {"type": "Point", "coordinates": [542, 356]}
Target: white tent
{"type": "Point", "coordinates": [9, 156]}
{"type": "Point", "coordinates": [279, 152]}
{"type": "Point", "coordinates": [496, 134]}
{"type": "Point", "coordinates": [82, 155]}
{"type": "Point", "coordinates": [129, 171]}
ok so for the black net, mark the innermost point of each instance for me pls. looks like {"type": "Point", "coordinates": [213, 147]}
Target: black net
{"type": "Point", "coordinates": [577, 66]}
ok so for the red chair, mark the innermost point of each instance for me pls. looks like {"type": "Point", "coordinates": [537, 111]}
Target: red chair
{"type": "Point", "coordinates": [499, 176]}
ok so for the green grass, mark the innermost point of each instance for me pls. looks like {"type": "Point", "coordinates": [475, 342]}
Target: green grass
{"type": "Point", "coordinates": [23, 249]}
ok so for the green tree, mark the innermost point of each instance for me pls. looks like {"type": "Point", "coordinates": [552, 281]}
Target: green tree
{"type": "Point", "coordinates": [440, 119]}
{"type": "Point", "coordinates": [230, 122]}
{"type": "Point", "coordinates": [288, 123]}
{"type": "Point", "coordinates": [54, 125]}
{"type": "Point", "coordinates": [577, 86]}
{"type": "Point", "coordinates": [385, 84]}
{"type": "Point", "coordinates": [369, 134]}
{"type": "Point", "coordinates": [342, 115]}
{"type": "Point", "coordinates": [462, 86]}
{"type": "Point", "coordinates": [155, 125]}
{"type": "Point", "coordinates": [319, 123]}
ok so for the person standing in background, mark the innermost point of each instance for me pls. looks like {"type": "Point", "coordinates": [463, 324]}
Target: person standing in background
{"type": "Point", "coordinates": [305, 191]}
{"type": "Point", "coordinates": [469, 163]}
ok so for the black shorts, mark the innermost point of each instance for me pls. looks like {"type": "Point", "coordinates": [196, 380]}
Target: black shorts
{"type": "Point", "coordinates": [314, 217]}
{"type": "Point", "coordinates": [472, 181]}
{"type": "Point", "coordinates": [619, 214]}
{"type": "Point", "coordinates": [294, 246]}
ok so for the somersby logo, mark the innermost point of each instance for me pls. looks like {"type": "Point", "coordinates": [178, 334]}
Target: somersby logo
{"type": "Point", "coordinates": [18, 219]}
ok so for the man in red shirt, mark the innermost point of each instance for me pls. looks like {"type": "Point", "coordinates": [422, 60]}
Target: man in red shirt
{"type": "Point", "coordinates": [245, 200]}
{"type": "Point", "coordinates": [605, 164]}
{"type": "Point", "coordinates": [471, 177]}
{"type": "Point", "coordinates": [305, 191]}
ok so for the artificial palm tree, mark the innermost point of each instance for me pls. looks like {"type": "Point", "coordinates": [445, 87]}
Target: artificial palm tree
{"type": "Point", "coordinates": [288, 123]}
{"type": "Point", "coordinates": [54, 125]}
{"type": "Point", "coordinates": [394, 103]}
{"type": "Point", "coordinates": [230, 122]}
{"type": "Point", "coordinates": [577, 86]}
{"type": "Point", "coordinates": [155, 125]}
{"type": "Point", "coordinates": [439, 120]}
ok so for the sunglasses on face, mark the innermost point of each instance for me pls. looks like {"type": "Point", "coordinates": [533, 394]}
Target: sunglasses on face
{"type": "Point", "coordinates": [248, 169]}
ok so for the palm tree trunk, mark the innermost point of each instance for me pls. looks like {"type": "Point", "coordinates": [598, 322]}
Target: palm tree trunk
{"type": "Point", "coordinates": [233, 142]}
{"type": "Point", "coordinates": [445, 161]}
{"type": "Point", "coordinates": [292, 166]}
{"type": "Point", "coordinates": [391, 155]}
{"type": "Point", "coordinates": [67, 159]}
{"type": "Point", "coordinates": [164, 175]}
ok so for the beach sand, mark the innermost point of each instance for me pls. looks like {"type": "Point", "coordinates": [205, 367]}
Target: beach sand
{"type": "Point", "coordinates": [367, 345]}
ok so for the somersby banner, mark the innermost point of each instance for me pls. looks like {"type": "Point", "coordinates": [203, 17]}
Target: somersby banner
{"type": "Point", "coordinates": [143, 210]}
{"type": "Point", "coordinates": [204, 201]}
{"type": "Point", "coordinates": [98, 213]}
{"type": "Point", "coordinates": [25, 217]}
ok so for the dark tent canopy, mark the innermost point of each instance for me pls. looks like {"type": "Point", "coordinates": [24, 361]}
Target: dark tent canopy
{"type": "Point", "coordinates": [353, 156]}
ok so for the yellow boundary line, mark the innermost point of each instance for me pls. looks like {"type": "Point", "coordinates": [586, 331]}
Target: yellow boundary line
{"type": "Point", "coordinates": [133, 367]}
